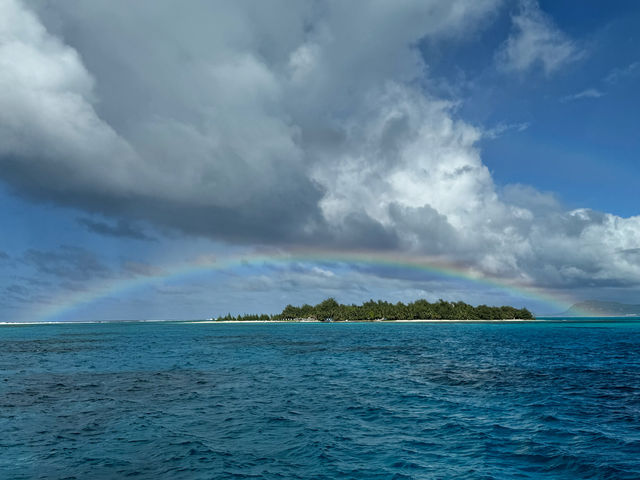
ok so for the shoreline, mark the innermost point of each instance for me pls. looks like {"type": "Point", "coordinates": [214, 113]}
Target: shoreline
{"type": "Point", "coordinates": [368, 321]}
{"type": "Point", "coordinates": [510, 320]}
{"type": "Point", "coordinates": [89, 322]}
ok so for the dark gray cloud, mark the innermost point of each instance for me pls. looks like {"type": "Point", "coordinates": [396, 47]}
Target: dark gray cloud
{"type": "Point", "coordinates": [23, 292]}
{"type": "Point", "coordinates": [140, 269]}
{"type": "Point", "coordinates": [630, 251]}
{"type": "Point", "coordinates": [14, 295]}
{"type": "Point", "coordinates": [17, 290]}
{"type": "Point", "coordinates": [121, 228]}
{"type": "Point", "coordinates": [76, 264]}
{"type": "Point", "coordinates": [69, 263]}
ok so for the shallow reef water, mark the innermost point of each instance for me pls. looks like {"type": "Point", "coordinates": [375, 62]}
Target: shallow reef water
{"type": "Point", "coordinates": [551, 400]}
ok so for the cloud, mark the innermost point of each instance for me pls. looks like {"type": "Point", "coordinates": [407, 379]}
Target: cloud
{"type": "Point", "coordinates": [619, 74]}
{"type": "Point", "coordinates": [4, 255]}
{"type": "Point", "coordinates": [536, 42]}
{"type": "Point", "coordinates": [17, 290]}
{"type": "Point", "coordinates": [502, 128]}
{"type": "Point", "coordinates": [143, 269]}
{"type": "Point", "coordinates": [122, 228]}
{"type": "Point", "coordinates": [51, 140]}
{"type": "Point", "coordinates": [299, 284]}
{"type": "Point", "coordinates": [15, 296]}
{"type": "Point", "coordinates": [77, 264]}
{"type": "Point", "coordinates": [614, 77]}
{"type": "Point", "coordinates": [284, 124]}
{"type": "Point", "coordinates": [630, 251]}
{"type": "Point", "coordinates": [215, 134]}
{"type": "Point", "coordinates": [588, 93]}
{"type": "Point", "coordinates": [67, 263]}
{"type": "Point", "coordinates": [176, 170]}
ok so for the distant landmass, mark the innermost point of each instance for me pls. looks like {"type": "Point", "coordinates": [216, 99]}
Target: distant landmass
{"type": "Point", "coordinates": [330, 310]}
{"type": "Point", "coordinates": [595, 308]}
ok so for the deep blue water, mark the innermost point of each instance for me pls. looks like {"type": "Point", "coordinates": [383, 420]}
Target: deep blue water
{"type": "Point", "coordinates": [364, 401]}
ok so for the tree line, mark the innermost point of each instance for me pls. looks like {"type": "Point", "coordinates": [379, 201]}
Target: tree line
{"type": "Point", "coordinates": [330, 309]}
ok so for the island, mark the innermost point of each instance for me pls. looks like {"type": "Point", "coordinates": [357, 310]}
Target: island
{"type": "Point", "coordinates": [330, 310]}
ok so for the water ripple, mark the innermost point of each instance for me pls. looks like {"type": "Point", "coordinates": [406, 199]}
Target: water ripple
{"type": "Point", "coordinates": [363, 401]}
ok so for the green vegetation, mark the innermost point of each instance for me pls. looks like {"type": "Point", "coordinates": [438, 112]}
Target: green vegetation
{"type": "Point", "coordinates": [371, 310]}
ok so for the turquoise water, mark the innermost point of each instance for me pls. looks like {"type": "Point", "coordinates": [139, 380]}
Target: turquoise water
{"type": "Point", "coordinates": [554, 400]}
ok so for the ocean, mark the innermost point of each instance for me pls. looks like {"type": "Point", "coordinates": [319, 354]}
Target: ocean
{"type": "Point", "coordinates": [545, 400]}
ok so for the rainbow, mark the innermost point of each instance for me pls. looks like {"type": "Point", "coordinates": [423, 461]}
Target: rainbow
{"type": "Point", "coordinates": [63, 306]}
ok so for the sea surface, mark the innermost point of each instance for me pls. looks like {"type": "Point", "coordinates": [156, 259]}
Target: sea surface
{"type": "Point", "coordinates": [547, 400]}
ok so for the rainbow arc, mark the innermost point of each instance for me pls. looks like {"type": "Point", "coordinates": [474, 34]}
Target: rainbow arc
{"type": "Point", "coordinates": [62, 307]}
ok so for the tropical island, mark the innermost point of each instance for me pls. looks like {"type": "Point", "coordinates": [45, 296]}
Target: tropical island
{"type": "Point", "coordinates": [330, 310]}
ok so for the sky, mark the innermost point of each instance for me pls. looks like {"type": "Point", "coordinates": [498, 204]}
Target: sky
{"type": "Point", "coordinates": [180, 161]}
